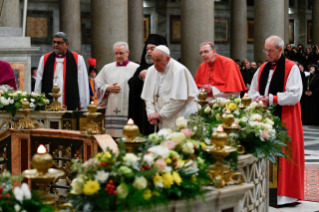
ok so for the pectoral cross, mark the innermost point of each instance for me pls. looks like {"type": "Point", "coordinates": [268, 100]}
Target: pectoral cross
{"type": "Point", "coordinates": [157, 96]}
{"type": "Point", "coordinates": [116, 111]}
{"type": "Point", "coordinates": [56, 79]}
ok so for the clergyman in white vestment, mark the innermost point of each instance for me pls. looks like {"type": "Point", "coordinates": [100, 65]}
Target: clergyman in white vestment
{"type": "Point", "coordinates": [169, 90]}
{"type": "Point", "coordinates": [112, 81]}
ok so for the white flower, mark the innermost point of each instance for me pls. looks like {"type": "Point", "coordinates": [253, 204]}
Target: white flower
{"type": "Point", "coordinates": [233, 135]}
{"type": "Point", "coordinates": [227, 101]}
{"type": "Point", "coordinates": [32, 100]}
{"type": "Point", "coordinates": [24, 93]}
{"type": "Point", "coordinates": [255, 117]}
{"type": "Point", "coordinates": [244, 119]}
{"type": "Point", "coordinates": [6, 102]}
{"type": "Point", "coordinates": [34, 94]}
{"type": "Point", "coordinates": [149, 159]}
{"type": "Point", "coordinates": [178, 137]}
{"type": "Point", "coordinates": [90, 163]}
{"type": "Point", "coordinates": [269, 121]}
{"type": "Point", "coordinates": [17, 207]}
{"type": "Point", "coordinates": [207, 141]}
{"type": "Point", "coordinates": [11, 101]}
{"type": "Point", "coordinates": [140, 183]}
{"type": "Point", "coordinates": [101, 176]}
{"type": "Point", "coordinates": [131, 160]}
{"type": "Point", "coordinates": [188, 148]}
{"type": "Point", "coordinates": [236, 112]}
{"type": "Point", "coordinates": [159, 151]}
{"type": "Point", "coordinates": [266, 126]}
{"type": "Point", "coordinates": [194, 128]}
{"type": "Point", "coordinates": [32, 105]}
{"type": "Point", "coordinates": [254, 123]}
{"type": "Point", "coordinates": [166, 133]}
{"type": "Point", "coordinates": [253, 105]}
{"type": "Point", "coordinates": [207, 110]}
{"type": "Point", "coordinates": [77, 186]}
{"type": "Point", "coordinates": [181, 122]}
{"type": "Point", "coordinates": [22, 193]}
{"type": "Point", "coordinates": [19, 92]}
{"type": "Point", "coordinates": [168, 169]}
{"type": "Point", "coordinates": [46, 101]}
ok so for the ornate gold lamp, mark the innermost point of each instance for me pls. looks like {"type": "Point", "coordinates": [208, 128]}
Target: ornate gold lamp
{"type": "Point", "coordinates": [130, 132]}
{"type": "Point", "coordinates": [246, 100]}
{"type": "Point", "coordinates": [55, 105]}
{"type": "Point", "coordinates": [219, 171]}
{"type": "Point", "coordinates": [26, 122]}
{"type": "Point", "coordinates": [202, 96]}
{"type": "Point", "coordinates": [92, 127]}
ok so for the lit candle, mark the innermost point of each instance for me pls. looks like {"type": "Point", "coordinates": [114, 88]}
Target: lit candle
{"type": "Point", "coordinates": [25, 99]}
{"type": "Point", "coordinates": [55, 84]}
{"type": "Point", "coordinates": [203, 90]}
{"type": "Point", "coordinates": [130, 121]}
{"type": "Point", "coordinates": [246, 95]}
{"type": "Point", "coordinates": [220, 128]}
{"type": "Point", "coordinates": [261, 103]}
{"type": "Point", "coordinates": [92, 103]}
{"type": "Point", "coordinates": [227, 110]}
{"type": "Point", "coordinates": [41, 149]}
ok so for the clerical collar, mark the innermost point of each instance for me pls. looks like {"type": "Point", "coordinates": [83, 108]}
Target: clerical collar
{"type": "Point", "coordinates": [91, 78]}
{"type": "Point", "coordinates": [211, 63]}
{"type": "Point", "coordinates": [123, 64]}
{"type": "Point", "coordinates": [273, 65]}
{"type": "Point", "coordinates": [60, 56]}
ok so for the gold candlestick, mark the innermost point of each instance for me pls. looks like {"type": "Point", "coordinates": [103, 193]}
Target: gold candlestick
{"type": "Point", "coordinates": [55, 105]}
{"type": "Point", "coordinates": [92, 127]}
{"type": "Point", "coordinates": [26, 122]}
{"type": "Point", "coordinates": [219, 171]}
{"type": "Point", "coordinates": [246, 100]}
{"type": "Point", "coordinates": [202, 96]}
{"type": "Point", "coordinates": [130, 131]}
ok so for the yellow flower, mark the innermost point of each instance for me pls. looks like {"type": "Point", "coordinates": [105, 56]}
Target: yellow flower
{"type": "Point", "coordinates": [232, 106]}
{"type": "Point", "coordinates": [193, 178]}
{"type": "Point", "coordinates": [155, 193]}
{"type": "Point", "coordinates": [91, 187]}
{"type": "Point", "coordinates": [168, 180]}
{"type": "Point", "coordinates": [177, 178]}
{"type": "Point", "coordinates": [157, 179]}
{"type": "Point", "coordinates": [106, 156]}
{"type": "Point", "coordinates": [168, 160]}
{"type": "Point", "coordinates": [147, 194]}
{"type": "Point", "coordinates": [203, 144]}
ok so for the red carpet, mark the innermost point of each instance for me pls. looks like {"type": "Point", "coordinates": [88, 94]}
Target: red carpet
{"type": "Point", "coordinates": [312, 184]}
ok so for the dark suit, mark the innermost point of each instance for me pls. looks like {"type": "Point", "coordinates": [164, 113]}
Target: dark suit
{"type": "Point", "coordinates": [32, 83]}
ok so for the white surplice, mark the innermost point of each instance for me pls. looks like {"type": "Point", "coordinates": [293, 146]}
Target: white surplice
{"type": "Point", "coordinates": [171, 94]}
{"type": "Point", "coordinates": [291, 96]}
{"type": "Point", "coordinates": [116, 113]}
{"type": "Point", "coordinates": [83, 81]}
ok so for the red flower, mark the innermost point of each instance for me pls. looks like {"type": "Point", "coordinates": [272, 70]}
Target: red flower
{"type": "Point", "coordinates": [8, 196]}
{"type": "Point", "coordinates": [1, 190]}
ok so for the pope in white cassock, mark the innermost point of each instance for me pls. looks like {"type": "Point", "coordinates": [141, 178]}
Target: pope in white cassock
{"type": "Point", "coordinates": [113, 89]}
{"type": "Point", "coordinates": [169, 90]}
{"type": "Point", "coordinates": [67, 70]}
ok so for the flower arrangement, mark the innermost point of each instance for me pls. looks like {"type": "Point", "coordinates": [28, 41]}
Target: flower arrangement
{"type": "Point", "coordinates": [21, 199]}
{"type": "Point", "coordinates": [166, 167]}
{"type": "Point", "coordinates": [260, 131]}
{"type": "Point", "coordinates": [12, 102]}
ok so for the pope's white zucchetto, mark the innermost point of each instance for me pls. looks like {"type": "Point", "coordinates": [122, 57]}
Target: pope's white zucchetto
{"type": "Point", "coordinates": [164, 49]}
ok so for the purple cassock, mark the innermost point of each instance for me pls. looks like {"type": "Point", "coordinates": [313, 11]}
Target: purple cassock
{"type": "Point", "coordinates": [7, 75]}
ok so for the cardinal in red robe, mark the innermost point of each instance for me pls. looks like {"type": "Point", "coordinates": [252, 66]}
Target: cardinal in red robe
{"type": "Point", "coordinates": [219, 76]}
{"type": "Point", "coordinates": [279, 82]}
{"type": "Point", "coordinates": [7, 75]}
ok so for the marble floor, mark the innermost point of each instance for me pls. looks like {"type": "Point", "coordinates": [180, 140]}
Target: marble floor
{"type": "Point", "coordinates": [301, 206]}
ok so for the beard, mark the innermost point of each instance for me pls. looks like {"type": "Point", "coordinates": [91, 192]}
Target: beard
{"type": "Point", "coordinates": [148, 58]}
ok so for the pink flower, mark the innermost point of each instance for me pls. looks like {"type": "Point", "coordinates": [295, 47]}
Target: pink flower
{"type": "Point", "coordinates": [236, 121]}
{"type": "Point", "coordinates": [187, 132]}
{"type": "Point", "coordinates": [169, 144]}
{"type": "Point", "coordinates": [265, 134]}
{"type": "Point", "coordinates": [160, 164]}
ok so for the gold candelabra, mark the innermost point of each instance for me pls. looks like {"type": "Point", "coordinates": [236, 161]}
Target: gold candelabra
{"type": "Point", "coordinates": [246, 100]}
{"type": "Point", "coordinates": [55, 105]}
{"type": "Point", "coordinates": [26, 122]}
{"type": "Point", "coordinates": [92, 127]}
{"type": "Point", "coordinates": [131, 131]}
{"type": "Point", "coordinates": [202, 96]}
{"type": "Point", "coordinates": [220, 173]}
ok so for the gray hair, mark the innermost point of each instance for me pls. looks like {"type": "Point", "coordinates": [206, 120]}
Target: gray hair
{"type": "Point", "coordinates": [61, 35]}
{"type": "Point", "coordinates": [279, 43]}
{"type": "Point", "coordinates": [212, 46]}
{"type": "Point", "coordinates": [121, 43]}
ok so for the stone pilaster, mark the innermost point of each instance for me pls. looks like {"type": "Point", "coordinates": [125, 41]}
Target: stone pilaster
{"type": "Point", "coordinates": [10, 13]}
{"type": "Point", "coordinates": [286, 24]}
{"type": "Point", "coordinates": [315, 22]}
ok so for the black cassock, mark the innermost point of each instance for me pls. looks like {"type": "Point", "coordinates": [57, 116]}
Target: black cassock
{"type": "Point", "coordinates": [137, 110]}
{"type": "Point", "coordinates": [309, 104]}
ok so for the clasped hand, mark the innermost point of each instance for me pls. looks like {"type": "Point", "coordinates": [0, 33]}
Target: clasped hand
{"type": "Point", "coordinates": [153, 117]}
{"type": "Point", "coordinates": [114, 88]}
{"type": "Point", "coordinates": [207, 88]}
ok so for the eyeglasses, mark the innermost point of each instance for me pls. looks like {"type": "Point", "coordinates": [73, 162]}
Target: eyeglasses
{"type": "Point", "coordinates": [120, 53]}
{"type": "Point", "coordinates": [204, 52]}
{"type": "Point", "coordinates": [57, 42]}
{"type": "Point", "coordinates": [269, 51]}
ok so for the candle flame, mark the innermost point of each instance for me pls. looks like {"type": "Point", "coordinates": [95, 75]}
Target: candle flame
{"type": "Point", "coordinates": [130, 121]}
{"type": "Point", "coordinates": [92, 103]}
{"type": "Point", "coordinates": [220, 128]}
{"type": "Point", "coordinates": [25, 99]}
{"type": "Point", "coordinates": [246, 95]}
{"type": "Point", "coordinates": [228, 110]}
{"type": "Point", "coordinates": [41, 149]}
{"type": "Point", "coordinates": [261, 103]}
{"type": "Point", "coordinates": [202, 90]}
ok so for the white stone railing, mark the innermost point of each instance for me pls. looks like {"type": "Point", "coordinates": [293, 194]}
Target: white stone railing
{"type": "Point", "coordinates": [256, 172]}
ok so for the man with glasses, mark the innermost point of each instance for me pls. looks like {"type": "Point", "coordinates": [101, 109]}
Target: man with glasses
{"type": "Point", "coordinates": [67, 70]}
{"type": "Point", "coordinates": [219, 76]}
{"type": "Point", "coordinates": [278, 81]}
{"type": "Point", "coordinates": [113, 89]}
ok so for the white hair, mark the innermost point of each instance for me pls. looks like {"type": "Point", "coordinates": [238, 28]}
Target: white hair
{"type": "Point", "coordinates": [279, 43]}
{"type": "Point", "coordinates": [121, 43]}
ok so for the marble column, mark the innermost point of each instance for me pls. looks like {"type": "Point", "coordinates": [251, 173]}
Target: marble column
{"type": "Point", "coordinates": [136, 29]}
{"type": "Point", "coordinates": [10, 14]}
{"type": "Point", "coordinates": [109, 25]}
{"type": "Point", "coordinates": [315, 22]}
{"type": "Point", "coordinates": [70, 23]}
{"type": "Point", "coordinates": [238, 35]}
{"type": "Point", "coordinates": [197, 20]}
{"type": "Point", "coordinates": [302, 20]}
{"type": "Point", "coordinates": [268, 21]}
{"type": "Point", "coordinates": [286, 22]}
